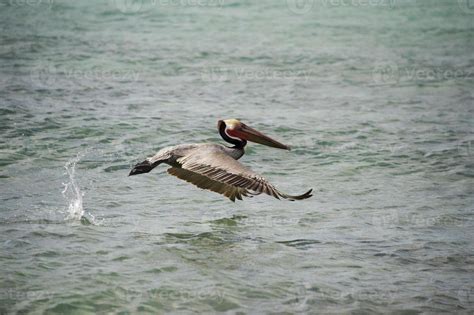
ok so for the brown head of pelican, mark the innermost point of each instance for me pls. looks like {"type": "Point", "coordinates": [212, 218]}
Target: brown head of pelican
{"type": "Point", "coordinates": [215, 167]}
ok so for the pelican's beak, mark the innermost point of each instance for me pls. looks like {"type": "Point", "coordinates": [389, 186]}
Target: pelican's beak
{"type": "Point", "coordinates": [250, 134]}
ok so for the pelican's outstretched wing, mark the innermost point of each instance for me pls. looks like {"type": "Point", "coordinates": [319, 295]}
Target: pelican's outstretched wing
{"type": "Point", "coordinates": [214, 170]}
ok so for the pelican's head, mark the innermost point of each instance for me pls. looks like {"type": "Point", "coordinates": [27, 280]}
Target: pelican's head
{"type": "Point", "coordinates": [236, 132]}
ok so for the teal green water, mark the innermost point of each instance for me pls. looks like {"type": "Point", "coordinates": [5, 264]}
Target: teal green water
{"type": "Point", "coordinates": [375, 97]}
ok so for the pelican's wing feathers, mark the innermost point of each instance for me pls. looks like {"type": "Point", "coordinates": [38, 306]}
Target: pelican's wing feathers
{"type": "Point", "coordinates": [215, 170]}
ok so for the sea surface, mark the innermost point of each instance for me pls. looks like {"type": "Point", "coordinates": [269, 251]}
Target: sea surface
{"type": "Point", "coordinates": [375, 97]}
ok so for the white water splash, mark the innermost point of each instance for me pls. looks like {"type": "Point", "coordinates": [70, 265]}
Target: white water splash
{"type": "Point", "coordinates": [72, 192]}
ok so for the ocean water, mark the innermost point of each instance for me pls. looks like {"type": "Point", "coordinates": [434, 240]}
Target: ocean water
{"type": "Point", "coordinates": [375, 97]}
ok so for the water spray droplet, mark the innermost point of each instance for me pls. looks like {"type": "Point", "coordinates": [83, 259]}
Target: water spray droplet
{"type": "Point", "coordinates": [72, 192]}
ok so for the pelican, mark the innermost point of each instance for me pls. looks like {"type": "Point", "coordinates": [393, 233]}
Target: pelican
{"type": "Point", "coordinates": [215, 167]}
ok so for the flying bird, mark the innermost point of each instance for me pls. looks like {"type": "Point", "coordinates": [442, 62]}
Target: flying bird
{"type": "Point", "coordinates": [215, 167]}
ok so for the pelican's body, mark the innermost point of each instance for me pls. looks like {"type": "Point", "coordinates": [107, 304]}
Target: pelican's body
{"type": "Point", "coordinates": [214, 167]}
{"type": "Point", "coordinates": [170, 155]}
